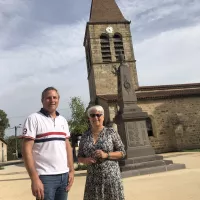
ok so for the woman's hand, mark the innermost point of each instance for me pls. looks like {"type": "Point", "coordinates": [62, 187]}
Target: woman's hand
{"type": "Point", "coordinates": [89, 161]}
{"type": "Point", "coordinates": [100, 154]}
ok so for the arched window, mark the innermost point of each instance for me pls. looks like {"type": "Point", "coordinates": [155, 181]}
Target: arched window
{"type": "Point", "coordinates": [149, 127]}
{"type": "Point", "coordinates": [105, 48]}
{"type": "Point", "coordinates": [118, 44]}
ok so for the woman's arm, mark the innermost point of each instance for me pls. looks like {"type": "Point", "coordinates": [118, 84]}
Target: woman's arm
{"type": "Point", "coordinates": [87, 161]}
{"type": "Point", "coordinates": [118, 151]}
{"type": "Point", "coordinates": [110, 155]}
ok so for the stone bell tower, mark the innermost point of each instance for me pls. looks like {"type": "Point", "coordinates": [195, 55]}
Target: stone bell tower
{"type": "Point", "coordinates": [107, 34]}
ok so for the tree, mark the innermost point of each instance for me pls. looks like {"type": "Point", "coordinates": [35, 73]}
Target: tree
{"type": "Point", "coordinates": [78, 123]}
{"type": "Point", "coordinates": [11, 147]}
{"type": "Point", "coordinates": [4, 123]}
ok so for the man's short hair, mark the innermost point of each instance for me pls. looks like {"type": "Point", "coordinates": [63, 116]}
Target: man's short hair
{"type": "Point", "coordinates": [48, 89]}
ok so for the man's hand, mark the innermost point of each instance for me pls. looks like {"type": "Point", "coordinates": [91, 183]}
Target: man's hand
{"type": "Point", "coordinates": [38, 189]}
{"type": "Point", "coordinates": [70, 180]}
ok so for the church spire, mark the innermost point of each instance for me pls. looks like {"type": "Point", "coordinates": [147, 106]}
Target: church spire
{"type": "Point", "coordinates": [105, 11]}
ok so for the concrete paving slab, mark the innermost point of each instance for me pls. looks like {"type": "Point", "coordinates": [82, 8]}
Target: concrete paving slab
{"type": "Point", "coordinates": [172, 185]}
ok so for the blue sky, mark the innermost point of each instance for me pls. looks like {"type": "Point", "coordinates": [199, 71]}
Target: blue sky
{"type": "Point", "coordinates": [41, 45]}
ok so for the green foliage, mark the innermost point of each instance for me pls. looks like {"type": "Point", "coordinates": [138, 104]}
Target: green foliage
{"type": "Point", "coordinates": [4, 123]}
{"type": "Point", "coordinates": [11, 147]}
{"type": "Point", "coordinates": [81, 167]}
{"type": "Point", "coordinates": [78, 123]}
{"type": "Point", "coordinates": [190, 150]}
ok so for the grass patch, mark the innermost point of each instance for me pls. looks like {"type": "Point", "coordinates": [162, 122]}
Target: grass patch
{"type": "Point", "coordinates": [191, 150]}
{"type": "Point", "coordinates": [1, 168]}
{"type": "Point", "coordinates": [81, 167]}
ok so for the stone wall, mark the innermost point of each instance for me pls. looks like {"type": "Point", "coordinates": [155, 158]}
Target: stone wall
{"type": "Point", "coordinates": [175, 123]}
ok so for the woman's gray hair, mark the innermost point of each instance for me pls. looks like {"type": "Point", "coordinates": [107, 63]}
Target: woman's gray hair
{"type": "Point", "coordinates": [96, 108]}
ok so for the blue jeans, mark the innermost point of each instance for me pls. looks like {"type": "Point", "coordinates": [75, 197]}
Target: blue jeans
{"type": "Point", "coordinates": [55, 186]}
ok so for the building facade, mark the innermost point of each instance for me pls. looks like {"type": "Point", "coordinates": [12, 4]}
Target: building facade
{"type": "Point", "coordinates": [173, 110]}
{"type": "Point", "coordinates": [3, 151]}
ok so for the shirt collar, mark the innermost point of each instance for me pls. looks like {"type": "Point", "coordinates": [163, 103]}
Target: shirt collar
{"type": "Point", "coordinates": [46, 113]}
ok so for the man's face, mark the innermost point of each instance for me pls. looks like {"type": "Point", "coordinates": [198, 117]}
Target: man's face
{"type": "Point", "coordinates": [50, 101]}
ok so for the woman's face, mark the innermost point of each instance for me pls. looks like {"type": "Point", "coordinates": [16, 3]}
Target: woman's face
{"type": "Point", "coordinates": [96, 119]}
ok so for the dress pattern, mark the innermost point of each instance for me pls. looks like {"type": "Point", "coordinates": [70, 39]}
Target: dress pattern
{"type": "Point", "coordinates": [103, 180]}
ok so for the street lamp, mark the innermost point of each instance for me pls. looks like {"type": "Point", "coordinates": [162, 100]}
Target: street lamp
{"type": "Point", "coordinates": [2, 147]}
{"type": "Point", "coordinates": [0, 126]}
{"type": "Point", "coordinates": [16, 151]}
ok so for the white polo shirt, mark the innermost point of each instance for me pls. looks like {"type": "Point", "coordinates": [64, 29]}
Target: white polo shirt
{"type": "Point", "coordinates": [49, 149]}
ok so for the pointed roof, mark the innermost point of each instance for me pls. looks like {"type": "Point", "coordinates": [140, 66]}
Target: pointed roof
{"type": "Point", "coordinates": [105, 11]}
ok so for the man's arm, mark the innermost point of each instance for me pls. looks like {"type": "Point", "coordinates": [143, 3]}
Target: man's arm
{"type": "Point", "coordinates": [36, 184]}
{"type": "Point", "coordinates": [70, 164]}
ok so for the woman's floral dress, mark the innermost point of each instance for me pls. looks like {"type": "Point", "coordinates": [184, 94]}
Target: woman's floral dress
{"type": "Point", "coordinates": [103, 178]}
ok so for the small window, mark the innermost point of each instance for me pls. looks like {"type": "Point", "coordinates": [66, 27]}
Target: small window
{"type": "Point", "coordinates": [118, 44]}
{"type": "Point", "coordinates": [149, 127]}
{"type": "Point", "coordinates": [105, 48]}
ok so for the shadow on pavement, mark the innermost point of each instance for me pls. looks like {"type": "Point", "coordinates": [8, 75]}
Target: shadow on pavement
{"type": "Point", "coordinates": [17, 179]}
{"type": "Point", "coordinates": [13, 173]}
{"type": "Point", "coordinates": [80, 174]}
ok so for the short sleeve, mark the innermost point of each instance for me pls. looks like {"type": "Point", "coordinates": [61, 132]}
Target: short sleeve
{"type": "Point", "coordinates": [30, 128]}
{"type": "Point", "coordinates": [66, 129]}
{"type": "Point", "coordinates": [117, 142]}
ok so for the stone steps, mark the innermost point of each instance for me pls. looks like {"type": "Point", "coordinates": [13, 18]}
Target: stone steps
{"type": "Point", "coordinates": [151, 170]}
{"type": "Point", "coordinates": [143, 165]}
{"type": "Point", "coordinates": [140, 159]}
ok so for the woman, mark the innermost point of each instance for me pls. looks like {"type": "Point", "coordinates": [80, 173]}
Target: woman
{"type": "Point", "coordinates": [100, 148]}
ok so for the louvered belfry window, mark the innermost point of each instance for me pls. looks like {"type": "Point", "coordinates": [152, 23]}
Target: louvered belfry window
{"type": "Point", "coordinates": [105, 48]}
{"type": "Point", "coordinates": [118, 44]}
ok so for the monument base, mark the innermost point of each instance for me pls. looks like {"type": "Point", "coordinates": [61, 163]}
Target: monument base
{"type": "Point", "coordinates": [140, 155]}
{"type": "Point", "coordinates": [147, 165]}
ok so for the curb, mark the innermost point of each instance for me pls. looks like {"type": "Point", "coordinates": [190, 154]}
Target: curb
{"type": "Point", "coordinates": [11, 163]}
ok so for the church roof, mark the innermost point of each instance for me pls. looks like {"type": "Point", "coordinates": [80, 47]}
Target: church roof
{"type": "Point", "coordinates": [161, 92]}
{"type": "Point", "coordinates": [1, 139]}
{"type": "Point", "coordinates": [105, 11]}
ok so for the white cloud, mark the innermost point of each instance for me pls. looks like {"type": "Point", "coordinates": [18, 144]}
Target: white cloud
{"type": "Point", "coordinates": [36, 53]}
{"type": "Point", "coordinates": [166, 39]}
{"type": "Point", "coordinates": [170, 57]}
{"type": "Point", "coordinates": [54, 56]}
{"type": "Point", "coordinates": [55, 50]}
{"type": "Point", "coordinates": [12, 14]}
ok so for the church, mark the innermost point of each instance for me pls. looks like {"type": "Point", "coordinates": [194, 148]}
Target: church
{"type": "Point", "coordinates": [173, 110]}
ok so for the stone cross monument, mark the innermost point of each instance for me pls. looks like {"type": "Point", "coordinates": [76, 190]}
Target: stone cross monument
{"type": "Point", "coordinates": [130, 118]}
{"type": "Point", "coordinates": [131, 123]}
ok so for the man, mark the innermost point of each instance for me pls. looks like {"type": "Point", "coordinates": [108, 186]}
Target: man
{"type": "Point", "coordinates": [46, 150]}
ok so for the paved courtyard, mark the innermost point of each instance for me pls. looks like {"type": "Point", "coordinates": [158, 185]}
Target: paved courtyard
{"type": "Point", "coordinates": [174, 185]}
